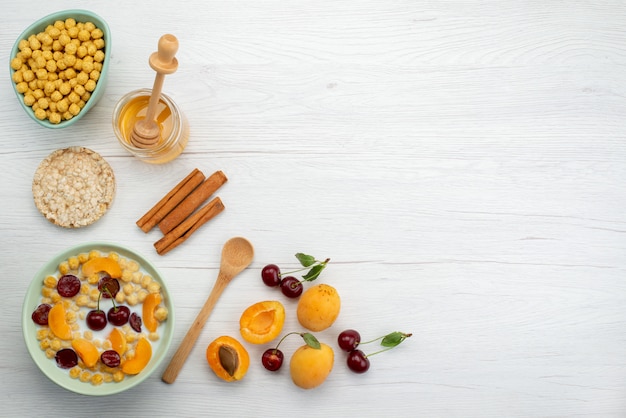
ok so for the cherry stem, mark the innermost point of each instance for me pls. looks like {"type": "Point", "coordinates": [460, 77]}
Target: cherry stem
{"type": "Point", "coordinates": [106, 289]}
{"type": "Point", "coordinates": [301, 334]}
{"type": "Point", "coordinates": [304, 268]}
{"type": "Point", "coordinates": [377, 352]}
{"type": "Point", "coordinates": [285, 336]}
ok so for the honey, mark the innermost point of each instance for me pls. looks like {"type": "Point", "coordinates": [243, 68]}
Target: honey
{"type": "Point", "coordinates": [171, 121]}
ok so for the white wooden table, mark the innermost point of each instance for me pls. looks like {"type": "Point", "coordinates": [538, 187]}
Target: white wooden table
{"type": "Point", "coordinates": [462, 163]}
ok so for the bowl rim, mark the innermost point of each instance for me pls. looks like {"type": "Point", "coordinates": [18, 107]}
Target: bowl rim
{"type": "Point", "coordinates": [48, 367]}
{"type": "Point", "coordinates": [40, 25]}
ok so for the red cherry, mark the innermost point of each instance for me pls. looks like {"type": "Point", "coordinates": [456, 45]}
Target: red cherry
{"type": "Point", "coordinates": [40, 314]}
{"type": "Point", "coordinates": [358, 361]}
{"type": "Point", "coordinates": [348, 340]}
{"type": "Point", "coordinates": [118, 315]}
{"type": "Point", "coordinates": [291, 287]}
{"type": "Point", "coordinates": [271, 275]}
{"type": "Point", "coordinates": [96, 320]}
{"type": "Point", "coordinates": [272, 359]}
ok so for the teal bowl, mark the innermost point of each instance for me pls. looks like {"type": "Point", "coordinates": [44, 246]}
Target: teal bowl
{"type": "Point", "coordinates": [62, 377]}
{"type": "Point", "coordinates": [40, 26]}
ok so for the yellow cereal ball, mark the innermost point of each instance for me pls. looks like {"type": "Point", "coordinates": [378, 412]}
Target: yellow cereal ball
{"type": "Point", "coordinates": [70, 48]}
{"type": "Point", "coordinates": [80, 90]}
{"type": "Point", "coordinates": [18, 77]}
{"type": "Point", "coordinates": [16, 63]}
{"type": "Point", "coordinates": [29, 99]}
{"type": "Point", "coordinates": [97, 33]}
{"type": "Point", "coordinates": [82, 78]}
{"type": "Point", "coordinates": [51, 66]}
{"type": "Point", "coordinates": [56, 96]}
{"type": "Point", "coordinates": [81, 51]}
{"type": "Point", "coordinates": [41, 61]}
{"type": "Point", "coordinates": [87, 68]}
{"type": "Point", "coordinates": [34, 43]}
{"type": "Point", "coordinates": [90, 85]}
{"type": "Point", "coordinates": [43, 103]}
{"type": "Point", "coordinates": [54, 117]}
{"type": "Point", "coordinates": [64, 39]}
{"type": "Point", "coordinates": [49, 88]}
{"type": "Point", "coordinates": [54, 32]}
{"type": "Point", "coordinates": [40, 114]}
{"type": "Point", "coordinates": [22, 87]}
{"type": "Point", "coordinates": [28, 75]}
{"type": "Point", "coordinates": [70, 22]}
{"type": "Point", "coordinates": [73, 97]}
{"type": "Point", "coordinates": [63, 105]}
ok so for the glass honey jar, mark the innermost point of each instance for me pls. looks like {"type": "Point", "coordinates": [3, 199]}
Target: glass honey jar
{"type": "Point", "coordinates": [172, 123]}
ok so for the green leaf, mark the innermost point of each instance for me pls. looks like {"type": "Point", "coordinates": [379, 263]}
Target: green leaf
{"type": "Point", "coordinates": [305, 260]}
{"type": "Point", "coordinates": [393, 339]}
{"type": "Point", "coordinates": [311, 341]}
{"type": "Point", "coordinates": [314, 273]}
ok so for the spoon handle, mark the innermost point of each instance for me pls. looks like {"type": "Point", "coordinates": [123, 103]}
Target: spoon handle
{"type": "Point", "coordinates": [179, 358]}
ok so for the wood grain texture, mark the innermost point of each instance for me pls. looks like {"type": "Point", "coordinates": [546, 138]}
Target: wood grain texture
{"type": "Point", "coordinates": [462, 163]}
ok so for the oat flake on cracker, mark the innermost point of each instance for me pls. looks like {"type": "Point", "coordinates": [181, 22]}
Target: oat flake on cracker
{"type": "Point", "coordinates": [73, 187]}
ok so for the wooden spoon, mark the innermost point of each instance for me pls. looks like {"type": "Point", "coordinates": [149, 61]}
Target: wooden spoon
{"type": "Point", "coordinates": [146, 132]}
{"type": "Point", "coordinates": [237, 254]}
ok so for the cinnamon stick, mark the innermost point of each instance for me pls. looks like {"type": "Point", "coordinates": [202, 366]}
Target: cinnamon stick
{"type": "Point", "coordinates": [200, 195]}
{"type": "Point", "coordinates": [183, 231]}
{"type": "Point", "coordinates": [170, 200]}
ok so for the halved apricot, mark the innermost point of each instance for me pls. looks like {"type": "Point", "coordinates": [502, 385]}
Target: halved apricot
{"type": "Point", "coordinates": [58, 322]}
{"type": "Point", "coordinates": [143, 353]}
{"type": "Point", "coordinates": [87, 351]}
{"type": "Point", "coordinates": [118, 341]}
{"type": "Point", "coordinates": [228, 359]}
{"type": "Point", "coordinates": [149, 306]}
{"type": "Point", "coordinates": [106, 264]}
{"type": "Point", "coordinates": [262, 322]}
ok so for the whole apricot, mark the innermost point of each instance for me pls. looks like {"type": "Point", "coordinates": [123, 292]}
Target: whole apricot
{"type": "Point", "coordinates": [228, 359]}
{"type": "Point", "coordinates": [311, 366]}
{"type": "Point", "coordinates": [262, 322]}
{"type": "Point", "coordinates": [318, 307]}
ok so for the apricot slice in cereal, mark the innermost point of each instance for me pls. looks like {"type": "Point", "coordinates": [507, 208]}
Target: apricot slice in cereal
{"type": "Point", "coordinates": [262, 322]}
{"type": "Point", "coordinates": [87, 351]}
{"type": "Point", "coordinates": [58, 322]}
{"type": "Point", "coordinates": [118, 341]}
{"type": "Point", "coordinates": [228, 359]}
{"type": "Point", "coordinates": [98, 264]}
{"type": "Point", "coordinates": [149, 306]}
{"type": "Point", "coordinates": [143, 353]}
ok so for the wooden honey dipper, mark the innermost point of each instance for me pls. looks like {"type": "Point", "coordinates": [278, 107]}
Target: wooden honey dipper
{"type": "Point", "coordinates": [146, 132]}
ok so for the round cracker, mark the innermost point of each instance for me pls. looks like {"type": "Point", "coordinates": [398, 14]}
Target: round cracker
{"type": "Point", "coordinates": [73, 187]}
